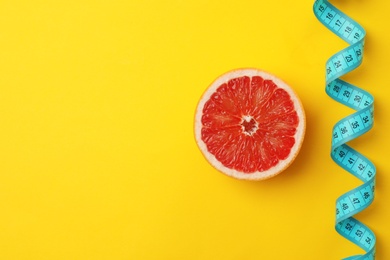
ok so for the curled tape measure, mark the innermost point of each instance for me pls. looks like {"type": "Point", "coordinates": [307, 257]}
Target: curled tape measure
{"type": "Point", "coordinates": [350, 127]}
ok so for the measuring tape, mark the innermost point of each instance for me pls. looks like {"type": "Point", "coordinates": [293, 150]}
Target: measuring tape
{"type": "Point", "coordinates": [350, 127]}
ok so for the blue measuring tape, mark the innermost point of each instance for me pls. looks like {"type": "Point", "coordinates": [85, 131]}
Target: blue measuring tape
{"type": "Point", "coordinates": [350, 127]}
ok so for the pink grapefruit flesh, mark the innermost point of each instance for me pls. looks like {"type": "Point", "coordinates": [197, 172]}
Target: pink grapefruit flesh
{"type": "Point", "coordinates": [249, 124]}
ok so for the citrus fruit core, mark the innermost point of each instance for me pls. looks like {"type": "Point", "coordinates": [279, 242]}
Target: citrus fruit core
{"type": "Point", "coordinates": [249, 124]}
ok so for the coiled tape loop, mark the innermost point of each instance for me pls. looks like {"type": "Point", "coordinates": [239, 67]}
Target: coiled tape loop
{"type": "Point", "coordinates": [350, 127]}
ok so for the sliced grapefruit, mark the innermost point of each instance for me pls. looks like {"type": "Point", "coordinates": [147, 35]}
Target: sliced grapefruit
{"type": "Point", "coordinates": [249, 124]}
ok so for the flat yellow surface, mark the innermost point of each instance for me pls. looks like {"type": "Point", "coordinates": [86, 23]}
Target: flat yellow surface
{"type": "Point", "coordinates": [97, 154]}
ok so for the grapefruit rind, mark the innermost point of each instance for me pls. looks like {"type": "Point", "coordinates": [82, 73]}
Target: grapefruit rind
{"type": "Point", "coordinates": [299, 135]}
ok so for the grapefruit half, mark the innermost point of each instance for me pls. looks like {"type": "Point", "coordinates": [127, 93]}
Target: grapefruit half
{"type": "Point", "coordinates": [249, 124]}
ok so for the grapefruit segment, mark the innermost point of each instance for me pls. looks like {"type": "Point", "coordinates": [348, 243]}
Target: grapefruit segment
{"type": "Point", "coordinates": [249, 124]}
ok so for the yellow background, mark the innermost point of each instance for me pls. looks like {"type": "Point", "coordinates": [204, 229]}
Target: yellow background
{"type": "Point", "coordinates": [97, 154]}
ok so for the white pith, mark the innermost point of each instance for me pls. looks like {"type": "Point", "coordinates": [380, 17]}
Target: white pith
{"type": "Point", "coordinates": [299, 135]}
{"type": "Point", "coordinates": [248, 119]}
